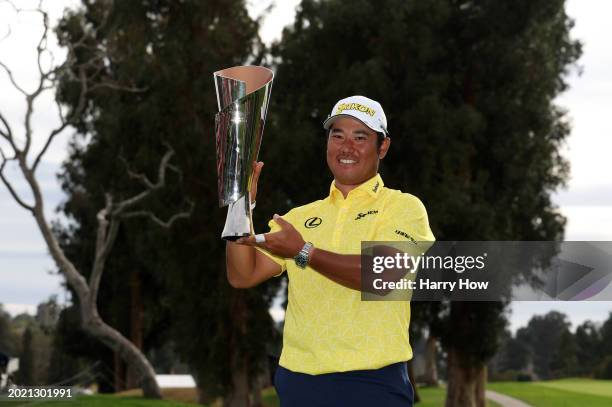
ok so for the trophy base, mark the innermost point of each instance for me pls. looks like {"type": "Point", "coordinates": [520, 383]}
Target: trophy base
{"type": "Point", "coordinates": [238, 221]}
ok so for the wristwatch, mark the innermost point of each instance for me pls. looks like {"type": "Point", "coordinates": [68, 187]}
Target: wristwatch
{"type": "Point", "coordinates": [301, 260]}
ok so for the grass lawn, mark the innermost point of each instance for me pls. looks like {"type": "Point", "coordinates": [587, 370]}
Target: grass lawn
{"type": "Point", "coordinates": [589, 386]}
{"type": "Point", "coordinates": [431, 397]}
{"type": "Point", "coordinates": [99, 401]}
{"type": "Point", "coordinates": [559, 393]}
{"type": "Point", "coordinates": [435, 397]}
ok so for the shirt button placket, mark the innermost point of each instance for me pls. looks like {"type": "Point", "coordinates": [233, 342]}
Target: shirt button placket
{"type": "Point", "coordinates": [339, 226]}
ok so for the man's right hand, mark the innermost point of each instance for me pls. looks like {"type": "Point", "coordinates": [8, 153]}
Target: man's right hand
{"type": "Point", "coordinates": [257, 166]}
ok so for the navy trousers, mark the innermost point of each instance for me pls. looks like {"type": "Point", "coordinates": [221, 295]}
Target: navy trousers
{"type": "Point", "coordinates": [385, 387]}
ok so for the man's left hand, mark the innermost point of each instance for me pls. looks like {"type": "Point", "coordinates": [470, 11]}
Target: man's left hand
{"type": "Point", "coordinates": [287, 242]}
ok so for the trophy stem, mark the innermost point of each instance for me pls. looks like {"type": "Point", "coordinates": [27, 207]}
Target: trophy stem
{"type": "Point", "coordinates": [239, 221]}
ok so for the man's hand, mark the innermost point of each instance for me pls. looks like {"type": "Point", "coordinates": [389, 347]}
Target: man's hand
{"type": "Point", "coordinates": [257, 166]}
{"type": "Point", "coordinates": [287, 242]}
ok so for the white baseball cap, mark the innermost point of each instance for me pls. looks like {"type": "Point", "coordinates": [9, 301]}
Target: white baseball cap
{"type": "Point", "coordinates": [364, 109]}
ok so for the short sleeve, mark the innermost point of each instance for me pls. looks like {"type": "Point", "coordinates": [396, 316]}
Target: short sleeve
{"type": "Point", "coordinates": [405, 219]}
{"type": "Point", "coordinates": [274, 227]}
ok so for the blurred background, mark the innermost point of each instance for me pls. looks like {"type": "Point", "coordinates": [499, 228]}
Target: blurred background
{"type": "Point", "coordinates": [498, 115]}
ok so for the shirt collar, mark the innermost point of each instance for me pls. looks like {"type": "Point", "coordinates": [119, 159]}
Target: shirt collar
{"type": "Point", "coordinates": [372, 187]}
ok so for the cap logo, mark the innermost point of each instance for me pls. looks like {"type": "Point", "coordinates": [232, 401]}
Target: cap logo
{"type": "Point", "coordinates": [355, 106]}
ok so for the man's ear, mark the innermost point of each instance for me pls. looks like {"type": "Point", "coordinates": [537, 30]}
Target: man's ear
{"type": "Point", "coordinates": [384, 147]}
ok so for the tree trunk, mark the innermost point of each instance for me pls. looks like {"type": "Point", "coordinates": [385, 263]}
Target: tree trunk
{"type": "Point", "coordinates": [136, 325]}
{"type": "Point", "coordinates": [128, 352]}
{"type": "Point", "coordinates": [204, 396]}
{"type": "Point", "coordinates": [119, 372]}
{"type": "Point", "coordinates": [256, 394]}
{"type": "Point", "coordinates": [91, 321]}
{"type": "Point", "coordinates": [466, 385]}
{"type": "Point", "coordinates": [431, 369]}
{"type": "Point", "coordinates": [262, 381]}
{"type": "Point", "coordinates": [410, 363]}
{"type": "Point", "coordinates": [238, 395]}
{"type": "Point", "coordinates": [481, 384]}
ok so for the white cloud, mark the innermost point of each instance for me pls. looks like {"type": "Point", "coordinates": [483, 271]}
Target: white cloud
{"type": "Point", "coordinates": [280, 15]}
{"type": "Point", "coordinates": [16, 309]}
{"type": "Point", "coordinates": [588, 222]}
{"type": "Point", "coordinates": [26, 278]}
{"type": "Point", "coordinates": [589, 99]}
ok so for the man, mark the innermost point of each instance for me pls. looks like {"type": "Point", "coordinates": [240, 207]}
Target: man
{"type": "Point", "coordinates": [337, 349]}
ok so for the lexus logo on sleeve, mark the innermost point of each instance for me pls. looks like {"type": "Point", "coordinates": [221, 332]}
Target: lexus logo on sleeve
{"type": "Point", "coordinates": [313, 222]}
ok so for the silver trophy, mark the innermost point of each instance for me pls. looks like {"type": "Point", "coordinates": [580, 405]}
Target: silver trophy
{"type": "Point", "coordinates": [243, 94]}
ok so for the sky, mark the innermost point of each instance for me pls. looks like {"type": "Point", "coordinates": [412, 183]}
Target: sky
{"type": "Point", "coordinates": [25, 266]}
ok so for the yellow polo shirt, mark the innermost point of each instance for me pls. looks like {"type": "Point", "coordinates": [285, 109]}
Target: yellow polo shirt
{"type": "Point", "coordinates": [327, 326]}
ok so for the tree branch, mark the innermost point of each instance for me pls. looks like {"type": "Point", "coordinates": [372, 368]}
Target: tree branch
{"type": "Point", "coordinates": [9, 186]}
{"type": "Point", "coordinates": [108, 229]}
{"type": "Point", "coordinates": [105, 240]}
{"type": "Point", "coordinates": [74, 115]}
{"type": "Point", "coordinates": [164, 224]}
{"type": "Point", "coordinates": [42, 44]}
{"type": "Point", "coordinates": [115, 86]}
{"type": "Point", "coordinates": [48, 143]}
{"type": "Point", "coordinates": [151, 187]}
{"type": "Point", "coordinates": [142, 178]}
{"type": "Point", "coordinates": [8, 34]}
{"type": "Point", "coordinates": [30, 98]}
{"type": "Point", "coordinates": [8, 132]}
{"type": "Point", "coordinates": [12, 79]}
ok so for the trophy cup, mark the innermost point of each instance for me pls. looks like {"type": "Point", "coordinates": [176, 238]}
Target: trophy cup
{"type": "Point", "coordinates": [243, 93]}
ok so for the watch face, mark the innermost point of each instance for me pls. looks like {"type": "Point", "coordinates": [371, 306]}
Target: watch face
{"type": "Point", "coordinates": [300, 260]}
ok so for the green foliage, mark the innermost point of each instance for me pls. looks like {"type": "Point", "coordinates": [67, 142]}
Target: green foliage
{"type": "Point", "coordinates": [25, 338]}
{"type": "Point", "coordinates": [71, 351]}
{"type": "Point", "coordinates": [26, 361]}
{"type": "Point", "coordinates": [604, 370]}
{"type": "Point", "coordinates": [34, 356]}
{"type": "Point", "coordinates": [564, 360]}
{"type": "Point", "coordinates": [8, 339]}
{"type": "Point", "coordinates": [588, 347]}
{"type": "Point", "coordinates": [548, 344]}
{"type": "Point", "coordinates": [606, 336]}
{"type": "Point", "coordinates": [509, 376]}
{"type": "Point", "coordinates": [516, 352]}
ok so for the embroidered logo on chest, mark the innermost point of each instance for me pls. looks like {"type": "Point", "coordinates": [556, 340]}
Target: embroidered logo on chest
{"type": "Point", "coordinates": [313, 222]}
{"type": "Point", "coordinates": [362, 215]}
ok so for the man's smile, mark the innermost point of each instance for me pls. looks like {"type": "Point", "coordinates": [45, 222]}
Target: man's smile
{"type": "Point", "coordinates": [346, 161]}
